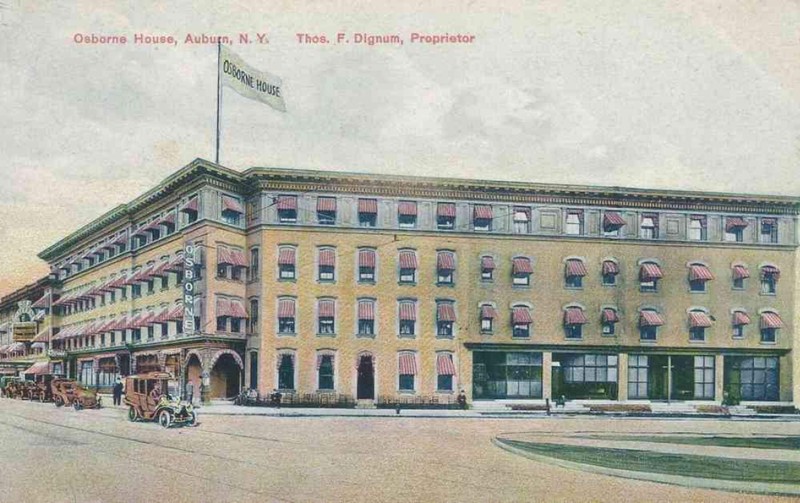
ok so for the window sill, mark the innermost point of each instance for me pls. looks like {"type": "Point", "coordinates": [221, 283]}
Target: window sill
{"type": "Point", "coordinates": [406, 336]}
{"type": "Point", "coordinates": [446, 337]}
{"type": "Point", "coordinates": [326, 335]}
{"type": "Point", "coordinates": [366, 336]}
{"type": "Point", "coordinates": [648, 341]}
{"type": "Point", "coordinates": [578, 288]}
{"type": "Point", "coordinates": [647, 291]}
{"type": "Point", "coordinates": [407, 283]}
{"type": "Point", "coordinates": [573, 339]}
{"type": "Point", "coordinates": [520, 337]}
{"type": "Point", "coordinates": [287, 280]}
{"type": "Point", "coordinates": [766, 294]}
{"type": "Point", "coordinates": [486, 333]}
{"type": "Point", "coordinates": [326, 281]}
{"type": "Point", "coordinates": [768, 343]}
{"type": "Point", "coordinates": [694, 292]}
{"type": "Point", "coordinates": [521, 287]}
{"type": "Point", "coordinates": [371, 282]}
{"type": "Point", "coordinates": [608, 284]}
{"type": "Point", "coordinates": [406, 392]}
{"type": "Point", "coordinates": [448, 285]}
{"type": "Point", "coordinates": [697, 341]}
{"type": "Point", "coordinates": [286, 334]}
{"type": "Point", "coordinates": [608, 335]}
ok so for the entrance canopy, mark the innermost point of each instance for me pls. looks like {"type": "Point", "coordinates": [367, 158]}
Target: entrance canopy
{"type": "Point", "coordinates": [38, 368]}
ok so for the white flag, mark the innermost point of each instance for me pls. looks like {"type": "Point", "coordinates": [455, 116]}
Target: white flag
{"type": "Point", "coordinates": [249, 82]}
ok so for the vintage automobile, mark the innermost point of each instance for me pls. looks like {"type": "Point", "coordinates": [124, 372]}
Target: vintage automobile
{"type": "Point", "coordinates": [69, 392]}
{"type": "Point", "coordinates": [41, 388]}
{"type": "Point", "coordinates": [10, 386]}
{"type": "Point", "coordinates": [155, 396]}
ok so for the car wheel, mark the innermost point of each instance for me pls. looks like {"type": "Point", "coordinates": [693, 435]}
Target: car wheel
{"type": "Point", "coordinates": [192, 418]}
{"type": "Point", "coordinates": [76, 405]}
{"type": "Point", "coordinates": [165, 418]}
{"type": "Point", "coordinates": [57, 400]}
{"type": "Point", "coordinates": [132, 414]}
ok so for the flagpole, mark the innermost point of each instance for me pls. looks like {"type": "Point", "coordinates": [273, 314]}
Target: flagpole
{"type": "Point", "coordinates": [219, 92]}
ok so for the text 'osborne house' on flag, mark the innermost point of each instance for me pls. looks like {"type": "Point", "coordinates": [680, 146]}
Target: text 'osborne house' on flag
{"type": "Point", "coordinates": [249, 82]}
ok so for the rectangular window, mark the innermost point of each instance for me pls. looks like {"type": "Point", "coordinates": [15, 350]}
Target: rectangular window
{"type": "Point", "coordinates": [287, 216]}
{"type": "Point", "coordinates": [768, 284]}
{"type": "Point", "coordinates": [445, 277]}
{"type": "Point", "coordinates": [366, 327]}
{"type": "Point", "coordinates": [286, 271]}
{"type": "Point", "coordinates": [734, 235]}
{"type": "Point", "coordinates": [407, 327]}
{"type": "Point", "coordinates": [444, 328]}
{"type": "Point", "coordinates": [649, 227]}
{"type": "Point", "coordinates": [738, 331]}
{"type": "Point", "coordinates": [254, 264]}
{"type": "Point", "coordinates": [768, 334]}
{"type": "Point", "coordinates": [236, 273]}
{"type": "Point", "coordinates": [697, 285]}
{"type": "Point", "coordinates": [609, 328]}
{"type": "Point", "coordinates": [222, 324]}
{"type": "Point", "coordinates": [574, 224]}
{"type": "Point", "coordinates": [229, 217]}
{"type": "Point", "coordinates": [648, 333]}
{"type": "Point", "coordinates": [406, 382]}
{"type": "Point", "coordinates": [136, 290]}
{"type": "Point", "coordinates": [698, 230]}
{"type": "Point", "coordinates": [326, 325]}
{"type": "Point", "coordinates": [769, 230]}
{"type": "Point", "coordinates": [286, 325]}
{"type": "Point", "coordinates": [521, 279]}
{"type": "Point", "coordinates": [287, 209]}
{"type": "Point", "coordinates": [738, 283]}
{"type": "Point", "coordinates": [408, 275]}
{"type": "Point", "coordinates": [522, 221]}
{"type": "Point", "coordinates": [326, 273]}
{"type": "Point", "coordinates": [486, 325]}
{"type": "Point", "coordinates": [407, 221]}
{"type": "Point", "coordinates": [446, 216]}
{"type": "Point", "coordinates": [521, 330]}
{"type": "Point", "coordinates": [487, 274]}
{"type": "Point", "coordinates": [697, 334]}
{"type": "Point", "coordinates": [574, 281]}
{"type": "Point", "coordinates": [703, 377]}
{"type": "Point", "coordinates": [326, 373]}
{"type": "Point", "coordinates": [367, 212]}
{"type": "Point", "coordinates": [609, 279]}
{"type": "Point", "coordinates": [367, 219]}
{"type": "Point", "coordinates": [366, 274]}
{"type": "Point", "coordinates": [574, 331]}
{"type": "Point", "coordinates": [650, 285]}
{"type": "Point", "coordinates": [236, 325]}
{"type": "Point", "coordinates": [444, 383]}
{"type": "Point", "coordinates": [222, 271]}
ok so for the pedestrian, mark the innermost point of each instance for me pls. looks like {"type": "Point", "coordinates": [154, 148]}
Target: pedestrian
{"type": "Point", "coordinates": [118, 392]}
{"type": "Point", "coordinates": [190, 391]}
{"type": "Point", "coordinates": [462, 399]}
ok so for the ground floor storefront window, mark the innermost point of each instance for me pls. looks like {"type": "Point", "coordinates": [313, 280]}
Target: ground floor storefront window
{"type": "Point", "coordinates": [107, 372]}
{"type": "Point", "coordinates": [671, 377]}
{"type": "Point", "coordinates": [752, 378]}
{"type": "Point", "coordinates": [86, 373]}
{"type": "Point", "coordinates": [584, 376]}
{"type": "Point", "coordinates": [501, 374]}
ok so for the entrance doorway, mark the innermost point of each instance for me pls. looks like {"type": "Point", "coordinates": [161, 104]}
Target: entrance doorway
{"type": "Point", "coordinates": [366, 378]}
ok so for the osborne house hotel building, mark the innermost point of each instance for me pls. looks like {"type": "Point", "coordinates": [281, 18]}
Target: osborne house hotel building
{"type": "Point", "coordinates": [376, 287]}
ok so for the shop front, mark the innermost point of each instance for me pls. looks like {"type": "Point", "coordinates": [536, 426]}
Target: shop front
{"type": "Point", "coordinates": [671, 377]}
{"type": "Point", "coordinates": [506, 374]}
{"type": "Point", "coordinates": [579, 376]}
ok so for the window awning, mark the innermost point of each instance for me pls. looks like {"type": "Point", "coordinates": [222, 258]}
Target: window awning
{"type": "Point", "coordinates": [286, 256]}
{"type": "Point", "coordinates": [42, 302]}
{"type": "Point", "coordinates": [369, 206]}
{"type": "Point", "coordinates": [612, 220]}
{"type": "Point", "coordinates": [237, 309]}
{"type": "Point", "coordinates": [650, 272]}
{"type": "Point", "coordinates": [445, 365]}
{"type": "Point", "coordinates": [238, 258]}
{"type": "Point", "coordinates": [121, 323]}
{"type": "Point", "coordinates": [408, 260]}
{"type": "Point", "coordinates": [445, 312]}
{"type": "Point", "coordinates": [408, 311]}
{"type": "Point", "coordinates": [326, 309]}
{"type": "Point", "coordinates": [446, 210]}
{"type": "Point", "coordinates": [521, 265]}
{"type": "Point", "coordinates": [699, 272]}
{"type": "Point", "coordinates": [366, 258]}
{"type": "Point", "coordinates": [741, 318]}
{"type": "Point", "coordinates": [230, 203]}
{"type": "Point", "coordinates": [488, 312]}
{"type": "Point", "coordinates": [702, 219]}
{"type": "Point", "coordinates": [610, 267]}
{"type": "Point", "coordinates": [190, 206]}
{"type": "Point", "coordinates": [162, 316]}
{"type": "Point", "coordinates": [575, 267]}
{"type": "Point", "coordinates": [521, 315]}
{"type": "Point", "coordinates": [610, 315]}
{"type": "Point", "coordinates": [327, 257]}
{"type": "Point", "coordinates": [286, 308]}
{"type": "Point", "coordinates": [175, 313]}
{"type": "Point", "coordinates": [169, 219]}
{"type": "Point", "coordinates": [224, 256]}
{"type": "Point", "coordinates": [522, 214]}
{"type": "Point", "coordinates": [42, 336]}
{"type": "Point", "coordinates": [732, 223]}
{"type": "Point", "coordinates": [483, 212]}
{"type": "Point", "coordinates": [407, 208]}
{"type": "Point", "coordinates": [771, 320]}
{"type": "Point", "coordinates": [287, 203]}
{"type": "Point", "coordinates": [699, 319]}
{"type": "Point", "coordinates": [38, 368]}
{"type": "Point", "coordinates": [446, 261]}
{"type": "Point", "coordinates": [487, 262]}
{"type": "Point", "coordinates": [740, 272]}
{"type": "Point", "coordinates": [223, 307]}
{"type": "Point", "coordinates": [407, 364]}
{"type": "Point", "coordinates": [366, 310]}
{"type": "Point", "coordinates": [650, 319]}
{"type": "Point", "coordinates": [574, 316]}
{"type": "Point", "coordinates": [770, 270]}
{"type": "Point", "coordinates": [325, 203]}
{"type": "Point", "coordinates": [146, 319]}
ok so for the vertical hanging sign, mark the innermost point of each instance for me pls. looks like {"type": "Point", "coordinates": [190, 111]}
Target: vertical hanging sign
{"type": "Point", "coordinates": [189, 327]}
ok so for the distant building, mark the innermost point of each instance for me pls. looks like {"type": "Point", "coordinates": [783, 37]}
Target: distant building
{"type": "Point", "coordinates": [384, 287]}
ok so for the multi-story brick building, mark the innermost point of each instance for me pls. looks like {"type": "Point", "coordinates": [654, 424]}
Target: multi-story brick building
{"type": "Point", "coordinates": [365, 285]}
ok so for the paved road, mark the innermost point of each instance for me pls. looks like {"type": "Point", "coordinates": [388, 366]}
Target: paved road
{"type": "Point", "coordinates": [54, 455]}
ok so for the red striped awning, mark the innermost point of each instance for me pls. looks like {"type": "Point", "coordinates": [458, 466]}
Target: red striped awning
{"type": "Point", "coordinates": [408, 311]}
{"type": "Point", "coordinates": [487, 262]}
{"type": "Point", "coordinates": [325, 203]}
{"type": "Point", "coordinates": [740, 272]}
{"type": "Point", "coordinates": [326, 308]}
{"type": "Point", "coordinates": [286, 256]}
{"type": "Point", "coordinates": [408, 260]}
{"type": "Point", "coordinates": [522, 214]}
{"type": "Point", "coordinates": [740, 318]}
{"type": "Point", "coordinates": [143, 274]}
{"type": "Point", "coordinates": [224, 256]}
{"type": "Point", "coordinates": [699, 272]}
{"type": "Point", "coordinates": [650, 272]}
{"type": "Point", "coordinates": [483, 212]}
{"type": "Point", "coordinates": [612, 220]}
{"type": "Point", "coordinates": [732, 223]}
{"type": "Point", "coordinates": [327, 257]}
{"type": "Point", "coordinates": [521, 265]}
{"type": "Point", "coordinates": [445, 365]}
{"type": "Point", "coordinates": [610, 315]}
{"type": "Point", "coordinates": [610, 267]}
{"type": "Point", "coordinates": [574, 316]}
{"type": "Point", "coordinates": [366, 258]}
{"type": "Point", "coordinates": [520, 315]}
{"type": "Point", "coordinates": [42, 302]}
{"type": "Point", "coordinates": [121, 322]}
{"type": "Point", "coordinates": [446, 210]}
{"type": "Point", "coordinates": [445, 261]}
{"type": "Point", "coordinates": [407, 364]}
{"type": "Point", "coordinates": [488, 312]}
{"type": "Point", "coordinates": [175, 313]}
{"type": "Point", "coordinates": [699, 319]}
{"type": "Point", "coordinates": [223, 307]}
{"type": "Point", "coordinates": [445, 312]}
{"type": "Point", "coordinates": [771, 320]}
{"type": "Point", "coordinates": [176, 263]}
{"type": "Point", "coordinates": [287, 203]}
{"type": "Point", "coordinates": [168, 219]}
{"type": "Point", "coordinates": [237, 309]}
{"type": "Point", "coordinates": [238, 258]}
{"type": "Point", "coordinates": [407, 208]}
{"type": "Point", "coordinates": [191, 205]}
{"type": "Point", "coordinates": [770, 270]}
{"type": "Point", "coordinates": [650, 319]}
{"type": "Point", "coordinates": [575, 267]}
{"type": "Point", "coordinates": [38, 368]}
{"type": "Point", "coordinates": [159, 271]}
{"type": "Point", "coordinates": [286, 308]}
{"type": "Point", "coordinates": [366, 310]}
{"type": "Point", "coordinates": [147, 318]}
{"type": "Point", "coordinates": [369, 206]}
{"type": "Point", "coordinates": [230, 203]}
{"type": "Point", "coordinates": [42, 336]}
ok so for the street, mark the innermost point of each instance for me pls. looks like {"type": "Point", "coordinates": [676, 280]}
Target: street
{"type": "Point", "coordinates": [53, 455]}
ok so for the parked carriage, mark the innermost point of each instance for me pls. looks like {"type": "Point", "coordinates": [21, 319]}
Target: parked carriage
{"type": "Point", "coordinates": [10, 386]}
{"type": "Point", "coordinates": [69, 392]}
{"type": "Point", "coordinates": [155, 396]}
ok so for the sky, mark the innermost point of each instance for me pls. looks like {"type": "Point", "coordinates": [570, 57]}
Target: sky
{"type": "Point", "coordinates": [666, 95]}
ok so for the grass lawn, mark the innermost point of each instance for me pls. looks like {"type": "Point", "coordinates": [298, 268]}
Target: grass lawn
{"type": "Point", "coordinates": [688, 465]}
{"type": "Point", "coordinates": [790, 443]}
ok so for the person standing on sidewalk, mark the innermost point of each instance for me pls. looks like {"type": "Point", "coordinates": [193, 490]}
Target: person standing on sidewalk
{"type": "Point", "coordinates": [190, 391]}
{"type": "Point", "coordinates": [118, 392]}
